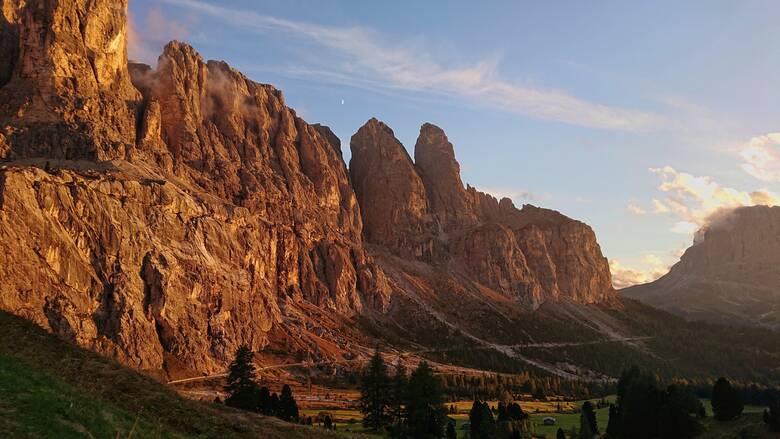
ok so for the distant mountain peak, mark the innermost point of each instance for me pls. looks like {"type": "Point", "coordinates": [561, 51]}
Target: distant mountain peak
{"type": "Point", "coordinates": [729, 274]}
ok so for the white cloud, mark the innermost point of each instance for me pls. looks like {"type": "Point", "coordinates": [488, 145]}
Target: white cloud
{"type": "Point", "coordinates": [761, 156]}
{"type": "Point", "coordinates": [636, 210]}
{"type": "Point", "coordinates": [660, 207]}
{"type": "Point", "coordinates": [693, 199]}
{"type": "Point", "coordinates": [360, 56]}
{"type": "Point", "coordinates": [623, 276]}
{"type": "Point", "coordinates": [147, 37]}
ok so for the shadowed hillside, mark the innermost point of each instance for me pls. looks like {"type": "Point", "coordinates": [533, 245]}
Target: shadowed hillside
{"type": "Point", "coordinates": [52, 388]}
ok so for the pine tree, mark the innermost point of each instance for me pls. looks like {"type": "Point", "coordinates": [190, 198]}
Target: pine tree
{"type": "Point", "coordinates": [482, 423]}
{"type": "Point", "coordinates": [243, 391]}
{"type": "Point", "coordinates": [288, 408]}
{"type": "Point", "coordinates": [590, 415]}
{"type": "Point", "coordinates": [613, 424]}
{"type": "Point", "coordinates": [375, 394]}
{"type": "Point", "coordinates": [560, 434]}
{"type": "Point", "coordinates": [274, 403]}
{"type": "Point", "coordinates": [773, 417]}
{"type": "Point", "coordinates": [265, 405]}
{"type": "Point", "coordinates": [726, 401]}
{"type": "Point", "coordinates": [398, 394]}
{"type": "Point", "coordinates": [586, 431]}
{"type": "Point", "coordinates": [515, 412]}
{"type": "Point", "coordinates": [475, 420]}
{"type": "Point", "coordinates": [425, 411]}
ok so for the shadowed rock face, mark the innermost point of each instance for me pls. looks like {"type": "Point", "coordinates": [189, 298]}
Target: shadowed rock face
{"type": "Point", "coordinates": [422, 210]}
{"type": "Point", "coordinates": [165, 216]}
{"type": "Point", "coordinates": [9, 38]}
{"type": "Point", "coordinates": [729, 275]}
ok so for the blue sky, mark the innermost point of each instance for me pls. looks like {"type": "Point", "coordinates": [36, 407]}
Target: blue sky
{"type": "Point", "coordinates": [640, 119]}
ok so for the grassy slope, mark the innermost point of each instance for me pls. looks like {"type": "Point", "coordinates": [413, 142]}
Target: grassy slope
{"type": "Point", "coordinates": [49, 388]}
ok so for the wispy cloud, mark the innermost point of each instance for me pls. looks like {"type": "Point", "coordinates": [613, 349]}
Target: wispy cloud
{"type": "Point", "coordinates": [636, 210]}
{"type": "Point", "coordinates": [761, 156]}
{"type": "Point", "coordinates": [146, 37]}
{"type": "Point", "coordinates": [364, 57]}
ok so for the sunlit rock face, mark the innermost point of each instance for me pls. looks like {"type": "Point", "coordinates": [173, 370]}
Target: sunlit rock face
{"type": "Point", "coordinates": [166, 214]}
{"type": "Point", "coordinates": [729, 275]}
{"type": "Point", "coordinates": [68, 93]}
{"type": "Point", "coordinates": [420, 209]}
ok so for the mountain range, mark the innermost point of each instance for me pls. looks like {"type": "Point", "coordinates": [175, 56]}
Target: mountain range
{"type": "Point", "coordinates": [164, 216]}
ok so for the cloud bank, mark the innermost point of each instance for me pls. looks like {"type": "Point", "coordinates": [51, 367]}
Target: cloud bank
{"type": "Point", "coordinates": [362, 57]}
{"type": "Point", "coordinates": [623, 276]}
{"type": "Point", "coordinates": [699, 201]}
{"type": "Point", "coordinates": [693, 199]}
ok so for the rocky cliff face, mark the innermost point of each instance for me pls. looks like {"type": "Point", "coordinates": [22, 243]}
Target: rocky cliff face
{"type": "Point", "coordinates": [730, 273]}
{"type": "Point", "coordinates": [422, 210]}
{"type": "Point", "coordinates": [166, 215]}
{"type": "Point", "coordinates": [69, 94]}
{"type": "Point", "coordinates": [395, 210]}
{"type": "Point", "coordinates": [210, 222]}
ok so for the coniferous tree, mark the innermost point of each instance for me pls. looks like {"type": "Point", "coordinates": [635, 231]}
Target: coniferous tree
{"type": "Point", "coordinates": [243, 391]}
{"type": "Point", "coordinates": [643, 411]}
{"type": "Point", "coordinates": [475, 420]}
{"type": "Point", "coordinates": [398, 395]}
{"type": "Point", "coordinates": [639, 406]}
{"type": "Point", "coordinates": [679, 414]}
{"type": "Point", "coordinates": [482, 423]}
{"type": "Point", "coordinates": [773, 416]}
{"type": "Point", "coordinates": [503, 415]}
{"type": "Point", "coordinates": [375, 395]}
{"type": "Point", "coordinates": [590, 415]}
{"type": "Point", "coordinates": [265, 405]}
{"type": "Point", "coordinates": [274, 403]}
{"type": "Point", "coordinates": [560, 434]}
{"type": "Point", "coordinates": [726, 401]}
{"type": "Point", "coordinates": [586, 431]}
{"type": "Point", "coordinates": [515, 412]}
{"type": "Point", "coordinates": [425, 412]}
{"type": "Point", "coordinates": [613, 423]}
{"type": "Point", "coordinates": [288, 408]}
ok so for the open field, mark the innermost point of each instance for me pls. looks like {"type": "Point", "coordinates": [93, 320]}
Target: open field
{"type": "Point", "coordinates": [751, 422]}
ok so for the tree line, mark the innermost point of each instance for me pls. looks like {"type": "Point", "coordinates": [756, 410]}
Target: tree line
{"type": "Point", "coordinates": [412, 405]}
{"type": "Point", "coordinates": [246, 394]}
{"type": "Point", "coordinates": [646, 410]}
{"type": "Point", "coordinates": [402, 405]}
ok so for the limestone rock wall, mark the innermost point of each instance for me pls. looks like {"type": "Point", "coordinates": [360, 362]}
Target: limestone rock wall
{"type": "Point", "coordinates": [422, 210]}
